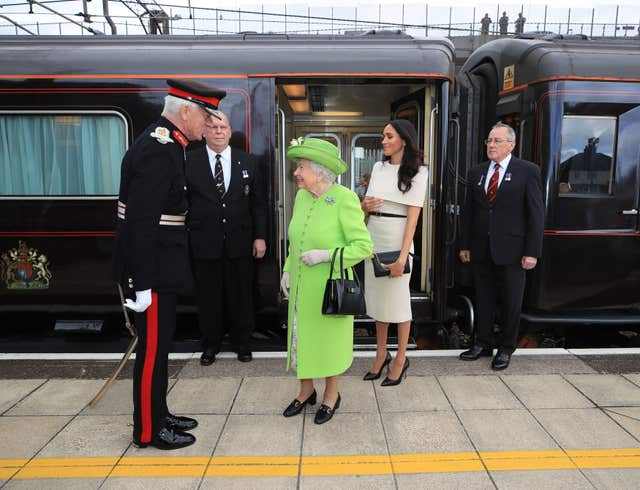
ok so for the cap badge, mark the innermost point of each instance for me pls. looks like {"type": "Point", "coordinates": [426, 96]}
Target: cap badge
{"type": "Point", "coordinates": [162, 135]}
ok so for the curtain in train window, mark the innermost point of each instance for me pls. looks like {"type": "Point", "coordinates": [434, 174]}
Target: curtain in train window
{"type": "Point", "coordinates": [587, 155]}
{"type": "Point", "coordinates": [61, 154]}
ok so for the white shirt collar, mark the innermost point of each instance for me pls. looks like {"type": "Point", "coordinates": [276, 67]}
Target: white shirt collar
{"type": "Point", "coordinates": [225, 154]}
{"type": "Point", "coordinates": [503, 164]}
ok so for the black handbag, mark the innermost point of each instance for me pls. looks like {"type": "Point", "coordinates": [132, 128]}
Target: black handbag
{"type": "Point", "coordinates": [377, 259]}
{"type": "Point", "coordinates": [343, 296]}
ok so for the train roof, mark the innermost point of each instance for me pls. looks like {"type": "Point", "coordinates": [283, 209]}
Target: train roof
{"type": "Point", "coordinates": [537, 60]}
{"type": "Point", "coordinates": [374, 53]}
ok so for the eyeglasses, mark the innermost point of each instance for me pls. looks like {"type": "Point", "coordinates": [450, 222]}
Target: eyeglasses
{"type": "Point", "coordinates": [495, 140]}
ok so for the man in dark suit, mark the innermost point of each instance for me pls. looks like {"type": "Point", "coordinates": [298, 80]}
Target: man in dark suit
{"type": "Point", "coordinates": [502, 231]}
{"type": "Point", "coordinates": [227, 226]}
{"type": "Point", "coordinates": [151, 256]}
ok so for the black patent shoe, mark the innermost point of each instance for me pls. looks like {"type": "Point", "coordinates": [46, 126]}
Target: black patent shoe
{"type": "Point", "coordinates": [245, 356]}
{"type": "Point", "coordinates": [325, 412]}
{"type": "Point", "coordinates": [403, 374]}
{"type": "Point", "coordinates": [475, 352]}
{"type": "Point", "coordinates": [168, 439]}
{"type": "Point", "coordinates": [208, 357]}
{"type": "Point", "coordinates": [176, 422]}
{"type": "Point", "coordinates": [501, 361]}
{"type": "Point", "coordinates": [296, 406]}
{"type": "Point", "coordinates": [371, 376]}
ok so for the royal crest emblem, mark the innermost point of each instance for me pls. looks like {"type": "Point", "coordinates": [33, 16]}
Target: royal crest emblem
{"type": "Point", "coordinates": [162, 135]}
{"type": "Point", "coordinates": [25, 268]}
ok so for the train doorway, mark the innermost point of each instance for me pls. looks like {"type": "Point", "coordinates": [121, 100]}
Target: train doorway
{"type": "Point", "coordinates": [352, 114]}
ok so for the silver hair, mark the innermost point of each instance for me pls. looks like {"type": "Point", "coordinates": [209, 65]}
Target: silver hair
{"type": "Point", "coordinates": [173, 104]}
{"type": "Point", "coordinates": [327, 175]}
{"type": "Point", "coordinates": [511, 134]}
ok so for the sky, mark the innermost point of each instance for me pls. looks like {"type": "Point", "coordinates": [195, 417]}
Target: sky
{"type": "Point", "coordinates": [563, 16]}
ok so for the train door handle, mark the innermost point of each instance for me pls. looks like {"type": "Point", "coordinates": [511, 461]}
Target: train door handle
{"type": "Point", "coordinates": [629, 212]}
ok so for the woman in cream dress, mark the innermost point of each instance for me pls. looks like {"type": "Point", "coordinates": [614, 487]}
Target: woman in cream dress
{"type": "Point", "coordinates": [393, 201]}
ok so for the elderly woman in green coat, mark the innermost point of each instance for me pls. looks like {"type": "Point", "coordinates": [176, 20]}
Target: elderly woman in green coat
{"type": "Point", "coordinates": [326, 216]}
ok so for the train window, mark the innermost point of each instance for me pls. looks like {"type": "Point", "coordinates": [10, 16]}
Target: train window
{"type": "Point", "coordinates": [366, 150]}
{"type": "Point", "coordinates": [61, 154]}
{"type": "Point", "coordinates": [587, 155]}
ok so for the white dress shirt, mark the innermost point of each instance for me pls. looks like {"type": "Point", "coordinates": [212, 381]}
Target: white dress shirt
{"type": "Point", "coordinates": [503, 170]}
{"type": "Point", "coordinates": [225, 161]}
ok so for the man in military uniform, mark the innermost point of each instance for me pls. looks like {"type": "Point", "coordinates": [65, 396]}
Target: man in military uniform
{"type": "Point", "coordinates": [227, 226]}
{"type": "Point", "coordinates": [151, 253]}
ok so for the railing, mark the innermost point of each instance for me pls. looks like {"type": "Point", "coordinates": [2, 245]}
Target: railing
{"type": "Point", "coordinates": [175, 17]}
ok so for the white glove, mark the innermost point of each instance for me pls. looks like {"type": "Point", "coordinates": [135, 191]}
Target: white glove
{"type": "Point", "coordinates": [313, 257]}
{"type": "Point", "coordinates": [285, 283]}
{"type": "Point", "coordinates": [142, 302]}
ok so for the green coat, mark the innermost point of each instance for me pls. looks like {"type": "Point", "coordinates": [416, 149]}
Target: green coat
{"type": "Point", "coordinates": [335, 219]}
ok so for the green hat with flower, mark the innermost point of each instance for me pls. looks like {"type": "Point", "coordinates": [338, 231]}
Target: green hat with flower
{"type": "Point", "coordinates": [319, 151]}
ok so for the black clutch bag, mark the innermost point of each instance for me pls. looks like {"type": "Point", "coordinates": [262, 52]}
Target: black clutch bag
{"type": "Point", "coordinates": [343, 296]}
{"type": "Point", "coordinates": [377, 259]}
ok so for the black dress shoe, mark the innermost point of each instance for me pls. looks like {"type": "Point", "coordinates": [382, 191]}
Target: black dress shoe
{"type": "Point", "coordinates": [501, 361]}
{"type": "Point", "coordinates": [325, 412]}
{"type": "Point", "coordinates": [475, 352]}
{"type": "Point", "coordinates": [393, 382]}
{"type": "Point", "coordinates": [177, 422]}
{"type": "Point", "coordinates": [208, 357]}
{"type": "Point", "coordinates": [371, 376]}
{"type": "Point", "coordinates": [296, 406]}
{"type": "Point", "coordinates": [168, 439]}
{"type": "Point", "coordinates": [245, 356]}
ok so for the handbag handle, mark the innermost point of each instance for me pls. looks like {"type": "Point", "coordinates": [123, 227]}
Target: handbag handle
{"type": "Point", "coordinates": [333, 259]}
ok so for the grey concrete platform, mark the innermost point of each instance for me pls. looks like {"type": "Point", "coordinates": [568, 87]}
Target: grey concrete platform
{"type": "Point", "coordinates": [438, 429]}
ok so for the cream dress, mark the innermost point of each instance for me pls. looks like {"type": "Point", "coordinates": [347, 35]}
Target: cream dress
{"type": "Point", "coordinates": [388, 298]}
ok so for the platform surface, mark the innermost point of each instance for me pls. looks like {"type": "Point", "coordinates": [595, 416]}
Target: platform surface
{"type": "Point", "coordinates": [566, 421]}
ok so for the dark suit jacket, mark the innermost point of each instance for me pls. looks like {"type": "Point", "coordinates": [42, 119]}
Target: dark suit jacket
{"type": "Point", "coordinates": [514, 226]}
{"type": "Point", "coordinates": [224, 227]}
{"type": "Point", "coordinates": [148, 255]}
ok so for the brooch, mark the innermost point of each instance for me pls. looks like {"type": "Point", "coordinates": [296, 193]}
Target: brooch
{"type": "Point", "coordinates": [330, 200]}
{"type": "Point", "coordinates": [162, 135]}
{"type": "Point", "coordinates": [296, 141]}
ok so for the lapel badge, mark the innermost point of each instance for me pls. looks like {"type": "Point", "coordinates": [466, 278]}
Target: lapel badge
{"type": "Point", "coordinates": [245, 174]}
{"type": "Point", "coordinates": [162, 135]}
{"type": "Point", "coordinates": [507, 177]}
{"type": "Point", "coordinates": [246, 189]}
{"type": "Point", "coordinates": [481, 180]}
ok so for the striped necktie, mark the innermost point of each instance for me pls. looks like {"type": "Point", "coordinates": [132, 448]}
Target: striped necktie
{"type": "Point", "coordinates": [219, 176]}
{"type": "Point", "coordinates": [492, 189]}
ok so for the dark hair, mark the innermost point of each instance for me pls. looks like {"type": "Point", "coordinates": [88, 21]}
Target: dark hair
{"type": "Point", "coordinates": [412, 156]}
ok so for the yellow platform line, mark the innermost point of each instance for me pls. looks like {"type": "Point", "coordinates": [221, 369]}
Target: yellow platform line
{"type": "Point", "coordinates": [265, 466]}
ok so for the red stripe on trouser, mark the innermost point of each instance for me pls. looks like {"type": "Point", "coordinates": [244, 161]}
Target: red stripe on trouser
{"type": "Point", "coordinates": [147, 370]}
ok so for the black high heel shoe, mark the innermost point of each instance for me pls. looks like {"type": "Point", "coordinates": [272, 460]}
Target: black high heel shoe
{"type": "Point", "coordinates": [325, 412]}
{"type": "Point", "coordinates": [296, 406]}
{"type": "Point", "coordinates": [371, 376]}
{"type": "Point", "coordinates": [393, 382]}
